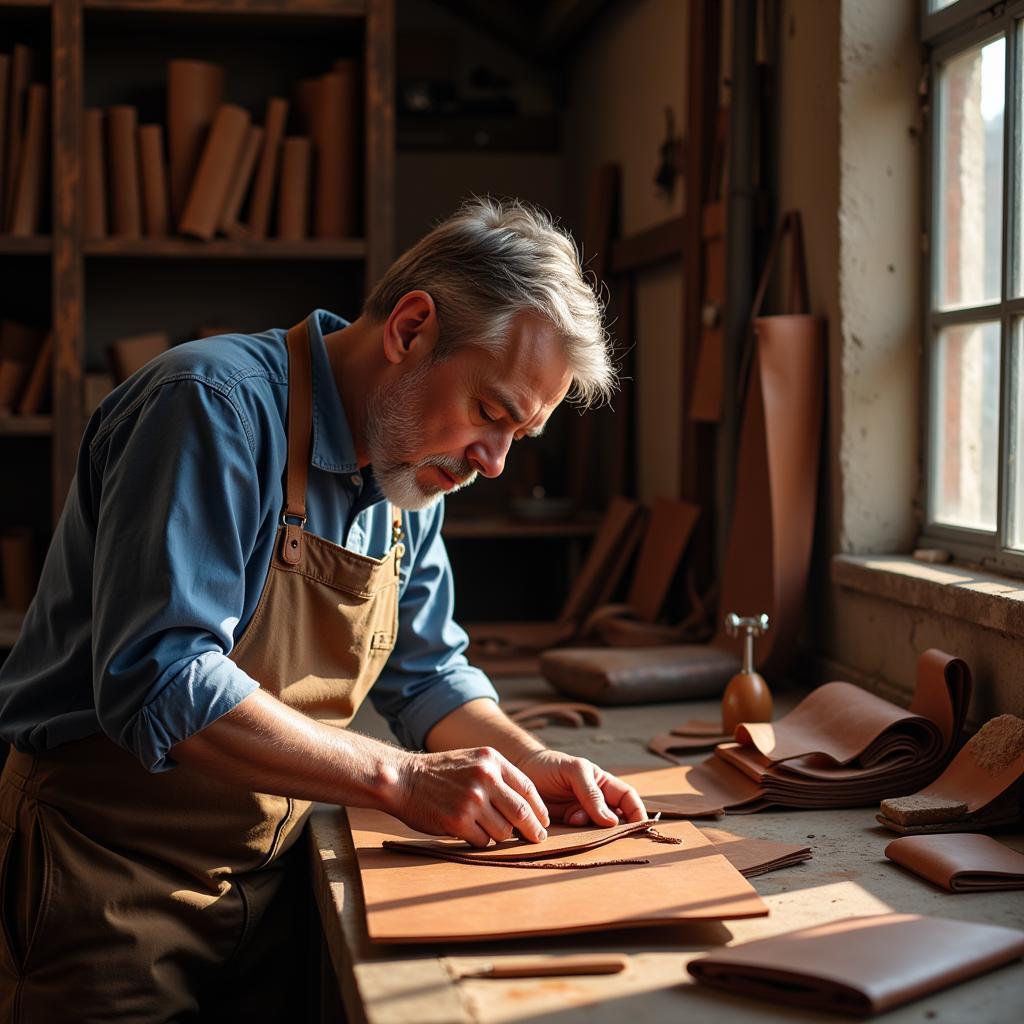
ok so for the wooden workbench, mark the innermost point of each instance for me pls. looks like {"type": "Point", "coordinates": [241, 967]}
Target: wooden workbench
{"type": "Point", "coordinates": [848, 875]}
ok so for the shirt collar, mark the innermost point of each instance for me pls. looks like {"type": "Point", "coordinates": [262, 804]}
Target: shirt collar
{"type": "Point", "coordinates": [333, 447]}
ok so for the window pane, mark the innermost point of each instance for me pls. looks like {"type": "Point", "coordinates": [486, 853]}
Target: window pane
{"type": "Point", "coordinates": [965, 426]}
{"type": "Point", "coordinates": [1018, 218]}
{"type": "Point", "coordinates": [970, 176]}
{"type": "Point", "coordinates": [1016, 452]}
{"type": "Point", "coordinates": [938, 5]}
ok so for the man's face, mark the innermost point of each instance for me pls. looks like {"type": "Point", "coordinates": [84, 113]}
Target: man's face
{"type": "Point", "coordinates": [431, 431]}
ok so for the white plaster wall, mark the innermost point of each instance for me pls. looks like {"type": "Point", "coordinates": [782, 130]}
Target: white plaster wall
{"type": "Point", "coordinates": [879, 275]}
{"type": "Point", "coordinates": [626, 71]}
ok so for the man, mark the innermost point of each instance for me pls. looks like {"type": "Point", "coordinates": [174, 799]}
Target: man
{"type": "Point", "coordinates": [252, 545]}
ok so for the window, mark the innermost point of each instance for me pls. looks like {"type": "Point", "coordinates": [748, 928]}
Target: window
{"type": "Point", "coordinates": [974, 501]}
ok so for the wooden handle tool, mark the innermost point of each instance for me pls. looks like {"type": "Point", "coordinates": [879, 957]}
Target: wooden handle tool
{"type": "Point", "coordinates": [550, 967]}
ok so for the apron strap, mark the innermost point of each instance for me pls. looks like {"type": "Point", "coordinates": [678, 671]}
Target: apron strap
{"type": "Point", "coordinates": [300, 425]}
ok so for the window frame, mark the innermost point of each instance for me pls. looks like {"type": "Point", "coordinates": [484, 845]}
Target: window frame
{"type": "Point", "coordinates": [946, 34]}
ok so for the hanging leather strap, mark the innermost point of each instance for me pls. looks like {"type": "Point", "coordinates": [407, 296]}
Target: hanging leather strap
{"type": "Point", "coordinates": [300, 425]}
{"type": "Point", "coordinates": [797, 301]}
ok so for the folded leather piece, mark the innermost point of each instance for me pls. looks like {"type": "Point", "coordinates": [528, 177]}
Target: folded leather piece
{"type": "Point", "coordinates": [688, 738]}
{"type": "Point", "coordinates": [963, 862]}
{"type": "Point", "coordinates": [860, 965]}
{"type": "Point", "coordinates": [841, 746]}
{"type": "Point", "coordinates": [521, 854]}
{"type": "Point", "coordinates": [980, 789]}
{"type": "Point", "coordinates": [752, 857]}
{"type": "Point", "coordinates": [412, 899]}
{"type": "Point", "coordinates": [665, 791]}
{"type": "Point", "coordinates": [639, 675]}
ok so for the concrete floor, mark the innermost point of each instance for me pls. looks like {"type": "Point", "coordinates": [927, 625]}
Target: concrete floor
{"type": "Point", "coordinates": [847, 876]}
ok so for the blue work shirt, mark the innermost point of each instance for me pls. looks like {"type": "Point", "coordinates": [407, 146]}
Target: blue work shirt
{"type": "Point", "coordinates": [165, 541]}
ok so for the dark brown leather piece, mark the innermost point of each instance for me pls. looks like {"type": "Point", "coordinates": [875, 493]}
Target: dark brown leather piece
{"type": "Point", "coordinates": [960, 863]}
{"type": "Point", "coordinates": [639, 675]}
{"type": "Point", "coordinates": [425, 900]}
{"type": "Point", "coordinates": [860, 965]}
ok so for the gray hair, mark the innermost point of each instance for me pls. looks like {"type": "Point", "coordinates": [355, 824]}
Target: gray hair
{"type": "Point", "coordinates": [491, 261]}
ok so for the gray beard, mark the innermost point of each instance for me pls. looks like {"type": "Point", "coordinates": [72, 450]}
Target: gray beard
{"type": "Point", "coordinates": [394, 431]}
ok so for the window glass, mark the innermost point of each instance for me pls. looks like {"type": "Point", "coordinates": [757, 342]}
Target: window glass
{"type": "Point", "coordinates": [938, 5]}
{"type": "Point", "coordinates": [965, 426]}
{"type": "Point", "coordinates": [1016, 444]}
{"type": "Point", "coordinates": [1017, 220]}
{"type": "Point", "coordinates": [968, 200]}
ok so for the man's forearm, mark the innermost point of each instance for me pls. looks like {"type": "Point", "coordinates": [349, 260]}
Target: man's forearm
{"type": "Point", "coordinates": [264, 746]}
{"type": "Point", "coordinates": [481, 723]}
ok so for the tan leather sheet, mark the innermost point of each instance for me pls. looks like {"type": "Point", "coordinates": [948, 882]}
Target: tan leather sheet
{"type": "Point", "coordinates": [841, 746]}
{"type": "Point", "coordinates": [860, 965]}
{"type": "Point", "coordinates": [960, 863]}
{"type": "Point", "coordinates": [977, 784]}
{"type": "Point", "coordinates": [410, 900]}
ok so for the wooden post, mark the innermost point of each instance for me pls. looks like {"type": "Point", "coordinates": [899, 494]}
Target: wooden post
{"type": "Point", "coordinates": [67, 263]}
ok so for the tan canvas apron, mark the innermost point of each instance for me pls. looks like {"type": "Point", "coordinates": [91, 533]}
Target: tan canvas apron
{"type": "Point", "coordinates": [127, 893]}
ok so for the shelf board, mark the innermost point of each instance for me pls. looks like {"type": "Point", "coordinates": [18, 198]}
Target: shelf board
{"type": "Point", "coordinates": [283, 8]}
{"type": "Point", "coordinates": [34, 244]}
{"type": "Point", "coordinates": [229, 249]}
{"type": "Point", "coordinates": [25, 426]}
{"type": "Point", "coordinates": [10, 626]}
{"type": "Point", "coordinates": [25, 3]}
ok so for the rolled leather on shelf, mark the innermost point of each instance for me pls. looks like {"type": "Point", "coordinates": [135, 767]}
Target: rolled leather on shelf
{"type": "Point", "coordinates": [195, 90]}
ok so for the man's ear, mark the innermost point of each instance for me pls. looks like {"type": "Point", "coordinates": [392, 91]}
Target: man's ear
{"type": "Point", "coordinates": [411, 329]}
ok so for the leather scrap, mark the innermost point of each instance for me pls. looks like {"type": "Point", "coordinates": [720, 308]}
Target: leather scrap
{"type": "Point", "coordinates": [980, 789]}
{"type": "Point", "coordinates": [961, 862]}
{"type": "Point", "coordinates": [688, 738]}
{"type": "Point", "coordinates": [753, 857]}
{"type": "Point", "coordinates": [860, 965]}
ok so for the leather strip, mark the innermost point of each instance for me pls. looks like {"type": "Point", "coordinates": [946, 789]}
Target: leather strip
{"type": "Point", "coordinates": [300, 429]}
{"type": "Point", "coordinates": [515, 851]}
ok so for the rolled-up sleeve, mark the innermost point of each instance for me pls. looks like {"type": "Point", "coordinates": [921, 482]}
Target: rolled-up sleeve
{"type": "Point", "coordinates": [427, 675]}
{"type": "Point", "coordinates": [177, 520]}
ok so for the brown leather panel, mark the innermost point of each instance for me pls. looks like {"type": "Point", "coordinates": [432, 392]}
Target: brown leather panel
{"type": "Point", "coordinates": [671, 525]}
{"type": "Point", "coordinates": [860, 965]}
{"type": "Point", "coordinates": [641, 674]}
{"type": "Point", "coordinates": [769, 548]}
{"type": "Point", "coordinates": [409, 900]}
{"type": "Point", "coordinates": [961, 862]}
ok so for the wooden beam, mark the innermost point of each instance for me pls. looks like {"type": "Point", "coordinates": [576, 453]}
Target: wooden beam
{"type": "Point", "coordinates": [649, 248]}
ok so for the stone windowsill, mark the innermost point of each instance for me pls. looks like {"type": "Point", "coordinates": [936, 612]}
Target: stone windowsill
{"type": "Point", "coordinates": [994, 602]}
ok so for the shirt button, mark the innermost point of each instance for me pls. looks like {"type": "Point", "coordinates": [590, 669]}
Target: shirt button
{"type": "Point", "coordinates": [356, 479]}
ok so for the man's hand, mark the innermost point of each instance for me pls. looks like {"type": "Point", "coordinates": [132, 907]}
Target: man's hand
{"type": "Point", "coordinates": [476, 795]}
{"type": "Point", "coordinates": [577, 790]}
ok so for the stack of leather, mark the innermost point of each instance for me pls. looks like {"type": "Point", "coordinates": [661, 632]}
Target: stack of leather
{"type": "Point", "coordinates": [981, 788]}
{"type": "Point", "coordinates": [840, 747]}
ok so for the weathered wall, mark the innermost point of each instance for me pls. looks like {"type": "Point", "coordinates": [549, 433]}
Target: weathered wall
{"type": "Point", "coordinates": [627, 70]}
{"type": "Point", "coordinates": [851, 160]}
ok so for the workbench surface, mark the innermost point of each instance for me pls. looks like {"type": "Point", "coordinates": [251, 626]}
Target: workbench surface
{"type": "Point", "coordinates": [848, 875]}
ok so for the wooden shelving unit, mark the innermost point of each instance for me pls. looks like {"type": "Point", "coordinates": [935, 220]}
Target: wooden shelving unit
{"type": "Point", "coordinates": [78, 282]}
